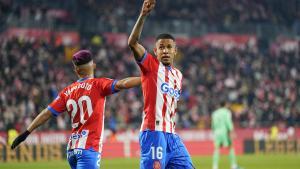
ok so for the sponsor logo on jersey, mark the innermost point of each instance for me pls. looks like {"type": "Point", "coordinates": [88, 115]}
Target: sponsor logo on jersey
{"type": "Point", "coordinates": [165, 88]}
{"type": "Point", "coordinates": [75, 136]}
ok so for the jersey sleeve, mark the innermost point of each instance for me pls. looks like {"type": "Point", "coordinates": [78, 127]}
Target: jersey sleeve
{"type": "Point", "coordinates": [57, 106]}
{"type": "Point", "coordinates": [148, 63]}
{"type": "Point", "coordinates": [107, 86]}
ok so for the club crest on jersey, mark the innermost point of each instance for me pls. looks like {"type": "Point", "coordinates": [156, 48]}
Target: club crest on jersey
{"type": "Point", "coordinates": [156, 165]}
{"type": "Point", "coordinates": [165, 88]}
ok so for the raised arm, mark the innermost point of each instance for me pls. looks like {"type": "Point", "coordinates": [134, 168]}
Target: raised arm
{"type": "Point", "coordinates": [133, 40]}
{"type": "Point", "coordinates": [128, 83]}
{"type": "Point", "coordinates": [44, 116]}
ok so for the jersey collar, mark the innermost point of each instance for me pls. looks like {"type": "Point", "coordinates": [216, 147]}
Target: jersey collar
{"type": "Point", "coordinates": [169, 68]}
{"type": "Point", "coordinates": [83, 79]}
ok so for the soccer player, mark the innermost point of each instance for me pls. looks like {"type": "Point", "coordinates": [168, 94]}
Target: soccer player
{"type": "Point", "coordinates": [84, 101]}
{"type": "Point", "coordinates": [161, 85]}
{"type": "Point", "coordinates": [222, 128]}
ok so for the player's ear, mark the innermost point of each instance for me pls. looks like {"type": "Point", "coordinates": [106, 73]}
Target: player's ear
{"type": "Point", "coordinates": [175, 50]}
{"type": "Point", "coordinates": [76, 70]}
{"type": "Point", "coordinates": [155, 50]}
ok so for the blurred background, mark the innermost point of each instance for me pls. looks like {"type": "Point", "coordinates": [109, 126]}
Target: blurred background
{"type": "Point", "coordinates": [244, 51]}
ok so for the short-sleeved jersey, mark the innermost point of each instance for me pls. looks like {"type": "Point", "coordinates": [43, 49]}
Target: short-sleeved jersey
{"type": "Point", "coordinates": [161, 87]}
{"type": "Point", "coordinates": [221, 121]}
{"type": "Point", "coordinates": [84, 101]}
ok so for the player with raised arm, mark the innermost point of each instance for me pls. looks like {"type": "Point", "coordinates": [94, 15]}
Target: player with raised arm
{"type": "Point", "coordinates": [84, 100]}
{"type": "Point", "coordinates": [222, 128]}
{"type": "Point", "coordinates": [161, 84]}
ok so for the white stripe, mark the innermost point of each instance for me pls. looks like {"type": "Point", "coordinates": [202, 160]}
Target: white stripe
{"type": "Point", "coordinates": [102, 126]}
{"type": "Point", "coordinates": [143, 121]}
{"type": "Point", "coordinates": [159, 97]}
{"type": "Point", "coordinates": [83, 138]}
{"type": "Point", "coordinates": [169, 102]}
{"type": "Point", "coordinates": [69, 143]}
{"type": "Point", "coordinates": [179, 85]}
{"type": "Point", "coordinates": [173, 75]}
{"type": "Point", "coordinates": [172, 79]}
{"type": "Point", "coordinates": [74, 139]}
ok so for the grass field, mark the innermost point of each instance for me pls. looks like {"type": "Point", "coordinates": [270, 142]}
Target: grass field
{"type": "Point", "coordinates": [290, 161]}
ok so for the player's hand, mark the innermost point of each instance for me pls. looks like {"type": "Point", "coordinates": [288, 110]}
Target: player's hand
{"type": "Point", "coordinates": [20, 139]}
{"type": "Point", "coordinates": [148, 5]}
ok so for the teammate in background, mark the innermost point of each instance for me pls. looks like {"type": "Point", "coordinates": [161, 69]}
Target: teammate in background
{"type": "Point", "coordinates": [84, 101]}
{"type": "Point", "coordinates": [222, 128]}
{"type": "Point", "coordinates": [161, 84]}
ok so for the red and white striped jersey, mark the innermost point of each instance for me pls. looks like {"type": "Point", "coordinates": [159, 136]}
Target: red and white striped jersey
{"type": "Point", "coordinates": [161, 87]}
{"type": "Point", "coordinates": [84, 101]}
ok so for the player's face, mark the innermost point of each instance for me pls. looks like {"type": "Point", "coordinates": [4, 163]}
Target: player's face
{"type": "Point", "coordinates": [165, 50]}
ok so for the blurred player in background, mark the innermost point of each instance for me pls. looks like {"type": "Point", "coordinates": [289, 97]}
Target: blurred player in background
{"type": "Point", "coordinates": [222, 128]}
{"type": "Point", "coordinates": [161, 84]}
{"type": "Point", "coordinates": [84, 101]}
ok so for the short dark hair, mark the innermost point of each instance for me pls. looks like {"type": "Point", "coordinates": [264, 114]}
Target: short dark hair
{"type": "Point", "coordinates": [164, 36]}
{"type": "Point", "coordinates": [82, 57]}
{"type": "Point", "coordinates": [223, 103]}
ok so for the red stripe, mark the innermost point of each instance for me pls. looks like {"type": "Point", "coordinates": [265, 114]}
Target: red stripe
{"type": "Point", "coordinates": [171, 128]}
{"type": "Point", "coordinates": [70, 143]}
{"type": "Point", "coordinates": [101, 129]}
{"type": "Point", "coordinates": [149, 93]}
{"type": "Point", "coordinates": [165, 100]}
{"type": "Point", "coordinates": [171, 115]}
{"type": "Point", "coordinates": [176, 73]}
{"type": "Point", "coordinates": [77, 140]}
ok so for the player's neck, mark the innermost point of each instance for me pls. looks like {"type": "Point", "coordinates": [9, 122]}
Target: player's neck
{"type": "Point", "coordinates": [86, 76]}
{"type": "Point", "coordinates": [168, 65]}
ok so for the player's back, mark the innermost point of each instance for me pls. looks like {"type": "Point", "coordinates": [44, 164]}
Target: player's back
{"type": "Point", "coordinates": [221, 121]}
{"type": "Point", "coordinates": [84, 101]}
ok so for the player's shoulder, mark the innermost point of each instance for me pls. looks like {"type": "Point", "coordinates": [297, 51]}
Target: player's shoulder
{"type": "Point", "coordinates": [101, 79]}
{"type": "Point", "coordinates": [68, 89]}
{"type": "Point", "coordinates": [70, 86]}
{"type": "Point", "coordinates": [226, 110]}
{"type": "Point", "coordinates": [218, 111]}
{"type": "Point", "coordinates": [150, 55]}
{"type": "Point", "coordinates": [179, 71]}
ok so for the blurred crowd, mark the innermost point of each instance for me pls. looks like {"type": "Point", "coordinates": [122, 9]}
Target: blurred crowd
{"type": "Point", "coordinates": [116, 15]}
{"type": "Point", "coordinates": [263, 88]}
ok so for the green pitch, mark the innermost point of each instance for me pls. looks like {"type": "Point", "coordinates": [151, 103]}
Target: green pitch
{"type": "Point", "coordinates": [291, 161]}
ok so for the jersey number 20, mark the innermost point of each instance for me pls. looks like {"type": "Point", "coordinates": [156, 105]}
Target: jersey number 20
{"type": "Point", "coordinates": [79, 104]}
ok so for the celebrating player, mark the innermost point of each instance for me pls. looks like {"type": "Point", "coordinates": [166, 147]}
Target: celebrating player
{"type": "Point", "coordinates": [84, 101]}
{"type": "Point", "coordinates": [161, 85]}
{"type": "Point", "coordinates": [223, 134]}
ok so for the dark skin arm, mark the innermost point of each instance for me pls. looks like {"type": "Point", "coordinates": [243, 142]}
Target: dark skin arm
{"type": "Point", "coordinates": [133, 40]}
{"type": "Point", "coordinates": [44, 116]}
{"type": "Point", "coordinates": [128, 83]}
